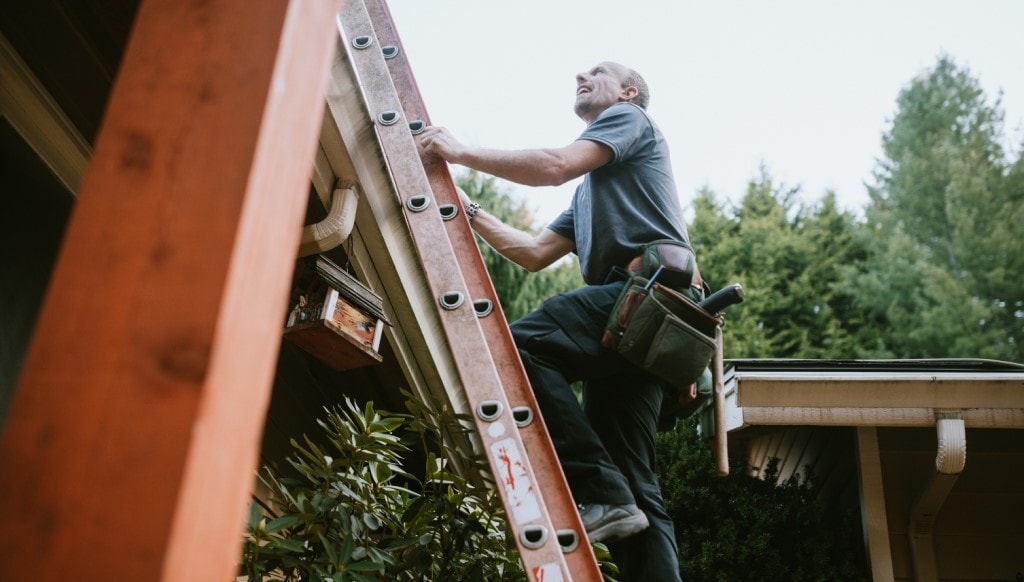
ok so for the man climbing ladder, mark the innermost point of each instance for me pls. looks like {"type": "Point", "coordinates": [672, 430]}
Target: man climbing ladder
{"type": "Point", "coordinates": [491, 381]}
{"type": "Point", "coordinates": [627, 199]}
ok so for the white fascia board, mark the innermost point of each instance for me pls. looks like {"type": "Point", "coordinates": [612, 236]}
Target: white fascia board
{"type": "Point", "coordinates": [870, 398]}
{"type": "Point", "coordinates": [896, 417]}
{"type": "Point", "coordinates": [1004, 390]}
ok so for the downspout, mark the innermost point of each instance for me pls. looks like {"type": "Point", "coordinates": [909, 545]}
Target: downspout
{"type": "Point", "coordinates": [336, 227]}
{"type": "Point", "coordinates": [950, 459]}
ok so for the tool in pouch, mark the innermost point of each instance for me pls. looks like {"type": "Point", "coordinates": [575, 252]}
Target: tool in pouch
{"type": "Point", "coordinates": [659, 328]}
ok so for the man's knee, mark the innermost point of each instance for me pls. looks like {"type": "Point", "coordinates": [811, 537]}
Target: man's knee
{"type": "Point", "coordinates": [537, 323]}
{"type": "Point", "coordinates": [522, 332]}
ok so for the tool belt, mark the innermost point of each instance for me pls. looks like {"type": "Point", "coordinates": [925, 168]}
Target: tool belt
{"type": "Point", "coordinates": [658, 328]}
{"type": "Point", "coordinates": [672, 262]}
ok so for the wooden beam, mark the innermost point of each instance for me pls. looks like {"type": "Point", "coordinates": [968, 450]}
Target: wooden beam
{"type": "Point", "coordinates": [131, 442]}
{"type": "Point", "coordinates": [872, 505]}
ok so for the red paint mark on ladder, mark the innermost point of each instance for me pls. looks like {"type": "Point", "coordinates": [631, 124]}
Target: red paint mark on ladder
{"type": "Point", "coordinates": [549, 572]}
{"type": "Point", "coordinates": [510, 478]}
{"type": "Point", "coordinates": [512, 471]}
{"type": "Point", "coordinates": [511, 468]}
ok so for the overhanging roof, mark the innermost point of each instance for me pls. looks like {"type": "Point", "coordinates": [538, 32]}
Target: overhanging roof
{"type": "Point", "coordinates": [985, 393]}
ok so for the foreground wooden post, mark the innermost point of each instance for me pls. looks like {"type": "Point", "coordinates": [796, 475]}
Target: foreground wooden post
{"type": "Point", "coordinates": [130, 444]}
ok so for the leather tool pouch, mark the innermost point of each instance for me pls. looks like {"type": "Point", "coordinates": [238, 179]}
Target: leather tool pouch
{"type": "Point", "coordinates": [661, 331]}
{"type": "Point", "coordinates": [671, 262]}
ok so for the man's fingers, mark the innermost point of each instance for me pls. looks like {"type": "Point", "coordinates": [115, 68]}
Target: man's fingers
{"type": "Point", "coordinates": [429, 136]}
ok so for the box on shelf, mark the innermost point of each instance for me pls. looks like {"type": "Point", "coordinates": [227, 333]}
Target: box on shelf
{"type": "Point", "coordinates": [340, 321]}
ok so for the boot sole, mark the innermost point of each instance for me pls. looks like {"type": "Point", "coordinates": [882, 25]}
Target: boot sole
{"type": "Point", "coordinates": [619, 529]}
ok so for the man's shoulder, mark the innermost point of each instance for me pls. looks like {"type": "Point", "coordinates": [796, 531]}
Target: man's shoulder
{"type": "Point", "coordinates": [625, 114]}
{"type": "Point", "coordinates": [619, 116]}
{"type": "Point", "coordinates": [623, 108]}
{"type": "Point", "coordinates": [623, 127]}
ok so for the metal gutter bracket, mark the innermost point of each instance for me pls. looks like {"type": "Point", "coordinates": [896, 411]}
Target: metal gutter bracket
{"type": "Point", "coordinates": [950, 459]}
{"type": "Point", "coordinates": [336, 227]}
{"type": "Point", "coordinates": [951, 456]}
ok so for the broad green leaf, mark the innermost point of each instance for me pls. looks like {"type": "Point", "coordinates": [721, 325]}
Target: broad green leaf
{"type": "Point", "coordinates": [281, 523]}
{"type": "Point", "coordinates": [255, 516]}
{"type": "Point", "coordinates": [288, 544]}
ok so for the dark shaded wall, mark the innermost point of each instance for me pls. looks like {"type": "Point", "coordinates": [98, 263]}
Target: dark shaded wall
{"type": "Point", "coordinates": [35, 211]}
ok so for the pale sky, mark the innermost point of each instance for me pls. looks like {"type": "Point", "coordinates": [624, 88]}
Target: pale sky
{"type": "Point", "coordinates": [805, 87]}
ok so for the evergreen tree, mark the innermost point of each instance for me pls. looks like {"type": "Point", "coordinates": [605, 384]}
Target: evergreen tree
{"type": "Point", "coordinates": [789, 260]}
{"type": "Point", "coordinates": [945, 262]}
{"type": "Point", "coordinates": [837, 327]}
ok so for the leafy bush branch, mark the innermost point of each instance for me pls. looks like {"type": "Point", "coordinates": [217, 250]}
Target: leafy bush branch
{"type": "Point", "coordinates": [350, 511]}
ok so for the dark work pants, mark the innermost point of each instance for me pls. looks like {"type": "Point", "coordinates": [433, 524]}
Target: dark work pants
{"type": "Point", "coordinates": [606, 447]}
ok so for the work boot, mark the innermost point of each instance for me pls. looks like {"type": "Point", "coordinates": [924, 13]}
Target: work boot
{"type": "Point", "coordinates": [611, 523]}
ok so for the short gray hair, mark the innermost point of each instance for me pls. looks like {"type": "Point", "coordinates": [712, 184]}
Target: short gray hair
{"type": "Point", "coordinates": [643, 94]}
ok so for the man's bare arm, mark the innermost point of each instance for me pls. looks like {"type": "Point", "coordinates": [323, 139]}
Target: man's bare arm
{"type": "Point", "coordinates": [533, 253]}
{"type": "Point", "coordinates": [534, 167]}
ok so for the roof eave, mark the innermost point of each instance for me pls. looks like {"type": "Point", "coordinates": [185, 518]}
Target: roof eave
{"type": "Point", "coordinates": [907, 393]}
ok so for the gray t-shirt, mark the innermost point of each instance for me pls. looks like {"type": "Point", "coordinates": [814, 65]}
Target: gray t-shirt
{"type": "Point", "coordinates": [628, 202]}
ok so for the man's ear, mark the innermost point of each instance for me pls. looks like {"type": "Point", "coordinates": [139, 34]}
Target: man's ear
{"type": "Point", "coordinates": [628, 93]}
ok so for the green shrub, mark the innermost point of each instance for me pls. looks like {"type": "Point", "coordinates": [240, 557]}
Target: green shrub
{"type": "Point", "coordinates": [352, 512]}
{"type": "Point", "coordinates": [744, 528]}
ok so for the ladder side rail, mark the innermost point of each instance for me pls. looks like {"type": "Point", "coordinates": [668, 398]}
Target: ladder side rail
{"type": "Point", "coordinates": [514, 475]}
{"type": "Point", "coordinates": [561, 505]}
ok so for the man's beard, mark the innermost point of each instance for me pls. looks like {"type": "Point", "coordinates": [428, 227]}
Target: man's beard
{"type": "Point", "coordinates": [582, 108]}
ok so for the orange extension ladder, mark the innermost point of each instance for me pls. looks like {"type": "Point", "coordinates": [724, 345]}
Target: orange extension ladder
{"type": "Point", "coordinates": [540, 509]}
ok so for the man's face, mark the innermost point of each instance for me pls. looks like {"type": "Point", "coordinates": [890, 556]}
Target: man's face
{"type": "Point", "coordinates": [598, 89]}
